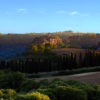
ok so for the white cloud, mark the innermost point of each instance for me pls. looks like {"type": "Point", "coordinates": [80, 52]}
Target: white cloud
{"type": "Point", "coordinates": [73, 13]}
{"type": "Point", "coordinates": [21, 10]}
{"type": "Point", "coordinates": [66, 12]}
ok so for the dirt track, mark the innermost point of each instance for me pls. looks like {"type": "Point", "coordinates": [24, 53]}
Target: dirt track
{"type": "Point", "coordinates": [91, 77]}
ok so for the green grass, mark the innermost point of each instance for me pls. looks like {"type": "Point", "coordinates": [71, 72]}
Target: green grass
{"type": "Point", "coordinates": [77, 71]}
{"type": "Point", "coordinates": [64, 72]}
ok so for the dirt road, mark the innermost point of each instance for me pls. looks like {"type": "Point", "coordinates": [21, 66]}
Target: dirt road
{"type": "Point", "coordinates": [91, 77]}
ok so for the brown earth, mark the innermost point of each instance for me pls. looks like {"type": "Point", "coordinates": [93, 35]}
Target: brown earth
{"type": "Point", "coordinates": [91, 77]}
{"type": "Point", "coordinates": [69, 50]}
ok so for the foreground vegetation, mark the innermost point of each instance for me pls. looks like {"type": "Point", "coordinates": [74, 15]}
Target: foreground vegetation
{"type": "Point", "coordinates": [15, 86]}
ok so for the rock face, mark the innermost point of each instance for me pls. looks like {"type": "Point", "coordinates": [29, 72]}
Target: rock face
{"type": "Point", "coordinates": [48, 39]}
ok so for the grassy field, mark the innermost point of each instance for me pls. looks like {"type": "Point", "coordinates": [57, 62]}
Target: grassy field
{"type": "Point", "coordinates": [64, 72]}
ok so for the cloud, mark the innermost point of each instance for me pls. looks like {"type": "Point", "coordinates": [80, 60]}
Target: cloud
{"type": "Point", "coordinates": [73, 13]}
{"type": "Point", "coordinates": [21, 10]}
{"type": "Point", "coordinates": [67, 13]}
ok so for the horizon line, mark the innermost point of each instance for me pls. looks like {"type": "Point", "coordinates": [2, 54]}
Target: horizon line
{"type": "Point", "coordinates": [1, 33]}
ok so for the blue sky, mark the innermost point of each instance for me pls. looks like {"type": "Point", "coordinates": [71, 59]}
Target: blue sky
{"type": "Point", "coordinates": [22, 16]}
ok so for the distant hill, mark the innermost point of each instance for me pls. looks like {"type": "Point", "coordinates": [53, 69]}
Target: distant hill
{"type": "Point", "coordinates": [13, 43]}
{"type": "Point", "coordinates": [10, 44]}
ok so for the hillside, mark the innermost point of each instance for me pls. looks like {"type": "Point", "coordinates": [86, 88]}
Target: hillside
{"type": "Point", "coordinates": [10, 44]}
{"type": "Point", "coordinates": [13, 43]}
{"type": "Point", "coordinates": [47, 39]}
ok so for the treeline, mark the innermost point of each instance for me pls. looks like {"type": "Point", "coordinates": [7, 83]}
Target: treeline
{"type": "Point", "coordinates": [51, 62]}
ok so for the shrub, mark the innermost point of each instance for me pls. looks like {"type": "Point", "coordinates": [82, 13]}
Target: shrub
{"type": "Point", "coordinates": [88, 88]}
{"type": "Point", "coordinates": [44, 83]}
{"type": "Point", "coordinates": [70, 93]}
{"type": "Point", "coordinates": [7, 94]}
{"type": "Point", "coordinates": [33, 96]}
{"type": "Point", "coordinates": [7, 99]}
{"type": "Point", "coordinates": [10, 92]}
{"type": "Point", "coordinates": [38, 96]}
{"type": "Point", "coordinates": [11, 80]}
{"type": "Point", "coordinates": [29, 85]}
{"type": "Point", "coordinates": [48, 92]}
{"type": "Point", "coordinates": [57, 82]}
{"type": "Point", "coordinates": [91, 92]}
{"type": "Point", "coordinates": [95, 93]}
{"type": "Point", "coordinates": [97, 87]}
{"type": "Point", "coordinates": [78, 84]}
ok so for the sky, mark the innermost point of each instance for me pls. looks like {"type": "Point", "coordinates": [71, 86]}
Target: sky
{"type": "Point", "coordinates": [24, 16]}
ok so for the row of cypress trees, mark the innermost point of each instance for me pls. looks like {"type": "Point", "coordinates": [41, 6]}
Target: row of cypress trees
{"type": "Point", "coordinates": [48, 64]}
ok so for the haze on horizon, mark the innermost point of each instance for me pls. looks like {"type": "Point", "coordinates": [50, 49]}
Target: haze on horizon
{"type": "Point", "coordinates": [24, 16]}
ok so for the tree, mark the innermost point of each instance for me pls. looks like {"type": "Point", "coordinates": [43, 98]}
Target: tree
{"type": "Point", "coordinates": [41, 47]}
{"type": "Point", "coordinates": [98, 44]}
{"type": "Point", "coordinates": [35, 47]}
{"type": "Point", "coordinates": [90, 47]}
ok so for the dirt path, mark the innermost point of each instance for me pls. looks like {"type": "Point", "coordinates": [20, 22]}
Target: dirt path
{"type": "Point", "coordinates": [91, 77]}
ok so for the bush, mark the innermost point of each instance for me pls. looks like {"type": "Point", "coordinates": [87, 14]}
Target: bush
{"type": "Point", "coordinates": [7, 94]}
{"type": "Point", "coordinates": [7, 99]}
{"type": "Point", "coordinates": [97, 87]}
{"type": "Point", "coordinates": [70, 93]}
{"type": "Point", "coordinates": [33, 96]}
{"type": "Point", "coordinates": [48, 92]}
{"type": "Point", "coordinates": [57, 82]}
{"type": "Point", "coordinates": [94, 94]}
{"type": "Point", "coordinates": [44, 83]}
{"type": "Point", "coordinates": [29, 85]}
{"type": "Point", "coordinates": [78, 84]}
{"type": "Point", "coordinates": [88, 88]}
{"type": "Point", "coordinates": [11, 80]}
